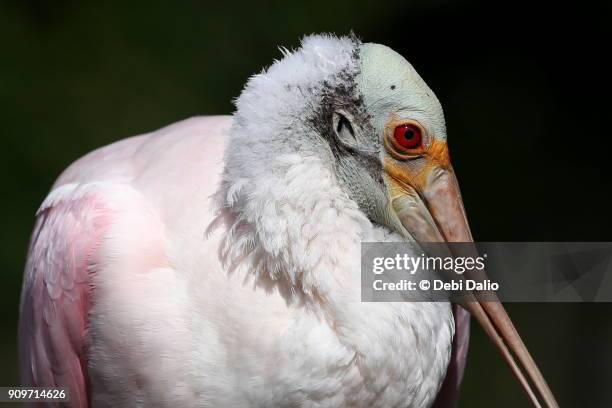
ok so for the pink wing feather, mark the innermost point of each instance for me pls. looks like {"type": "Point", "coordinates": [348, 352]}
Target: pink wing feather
{"type": "Point", "coordinates": [56, 295]}
{"type": "Point", "coordinates": [449, 392]}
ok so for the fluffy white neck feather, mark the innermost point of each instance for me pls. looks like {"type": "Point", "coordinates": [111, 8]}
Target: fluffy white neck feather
{"type": "Point", "coordinates": [290, 224]}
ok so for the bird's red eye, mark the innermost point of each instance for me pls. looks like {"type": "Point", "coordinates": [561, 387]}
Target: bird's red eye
{"type": "Point", "coordinates": [408, 136]}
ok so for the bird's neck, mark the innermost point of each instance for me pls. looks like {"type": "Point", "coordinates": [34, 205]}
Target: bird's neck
{"type": "Point", "coordinates": [293, 228]}
{"type": "Point", "coordinates": [296, 231]}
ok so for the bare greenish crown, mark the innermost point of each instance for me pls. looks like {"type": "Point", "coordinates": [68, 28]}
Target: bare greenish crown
{"type": "Point", "coordinates": [390, 85]}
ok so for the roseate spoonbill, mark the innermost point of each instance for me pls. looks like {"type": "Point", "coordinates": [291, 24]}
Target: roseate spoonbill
{"type": "Point", "coordinates": [210, 263]}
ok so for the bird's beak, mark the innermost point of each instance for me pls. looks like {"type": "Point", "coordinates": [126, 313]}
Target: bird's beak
{"type": "Point", "coordinates": [425, 196]}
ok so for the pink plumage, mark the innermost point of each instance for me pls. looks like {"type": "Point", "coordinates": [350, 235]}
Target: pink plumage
{"type": "Point", "coordinates": [56, 295]}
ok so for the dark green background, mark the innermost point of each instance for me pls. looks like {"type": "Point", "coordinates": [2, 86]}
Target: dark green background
{"type": "Point", "coordinates": [525, 89]}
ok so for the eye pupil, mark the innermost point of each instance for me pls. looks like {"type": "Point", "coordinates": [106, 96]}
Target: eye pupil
{"type": "Point", "coordinates": [408, 136]}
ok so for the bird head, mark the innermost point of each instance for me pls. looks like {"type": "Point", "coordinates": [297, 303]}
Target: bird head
{"type": "Point", "coordinates": [336, 136]}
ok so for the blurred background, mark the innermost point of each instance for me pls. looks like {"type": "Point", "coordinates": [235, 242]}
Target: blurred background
{"type": "Point", "coordinates": [525, 89]}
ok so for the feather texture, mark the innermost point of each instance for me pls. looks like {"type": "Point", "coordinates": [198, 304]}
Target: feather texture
{"type": "Point", "coordinates": [56, 293]}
